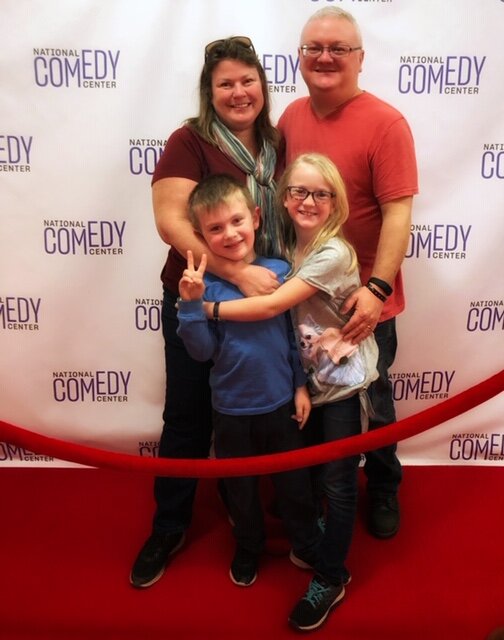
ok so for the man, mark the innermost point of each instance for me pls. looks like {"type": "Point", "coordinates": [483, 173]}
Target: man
{"type": "Point", "coordinates": [371, 144]}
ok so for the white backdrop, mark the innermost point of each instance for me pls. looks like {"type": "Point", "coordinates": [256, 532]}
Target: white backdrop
{"type": "Point", "coordinates": [90, 90]}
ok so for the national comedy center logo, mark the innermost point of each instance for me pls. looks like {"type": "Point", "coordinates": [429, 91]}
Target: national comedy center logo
{"type": "Point", "coordinates": [84, 237]}
{"type": "Point", "coordinates": [473, 447]}
{"type": "Point", "coordinates": [422, 385]}
{"type": "Point", "coordinates": [19, 313]}
{"type": "Point", "coordinates": [441, 74]}
{"type": "Point", "coordinates": [282, 71]}
{"type": "Point", "coordinates": [103, 386]}
{"type": "Point", "coordinates": [13, 453]}
{"type": "Point", "coordinates": [15, 153]}
{"type": "Point", "coordinates": [439, 241]}
{"type": "Point", "coordinates": [147, 313]}
{"type": "Point", "coordinates": [144, 154]}
{"type": "Point", "coordinates": [492, 161]}
{"type": "Point", "coordinates": [80, 68]}
{"type": "Point", "coordinates": [485, 316]}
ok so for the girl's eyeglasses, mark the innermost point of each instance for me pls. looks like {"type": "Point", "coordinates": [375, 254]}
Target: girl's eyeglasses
{"type": "Point", "coordinates": [319, 196]}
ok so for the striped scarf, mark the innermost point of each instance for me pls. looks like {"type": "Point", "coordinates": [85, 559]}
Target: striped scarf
{"type": "Point", "coordinates": [269, 238]}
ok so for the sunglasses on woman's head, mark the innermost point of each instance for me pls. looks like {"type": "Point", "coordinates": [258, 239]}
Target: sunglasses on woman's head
{"type": "Point", "coordinates": [213, 47]}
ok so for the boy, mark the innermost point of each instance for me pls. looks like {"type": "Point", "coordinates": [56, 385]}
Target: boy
{"type": "Point", "coordinates": [257, 381]}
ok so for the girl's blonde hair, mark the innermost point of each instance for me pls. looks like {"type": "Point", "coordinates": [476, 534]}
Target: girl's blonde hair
{"type": "Point", "coordinates": [339, 212]}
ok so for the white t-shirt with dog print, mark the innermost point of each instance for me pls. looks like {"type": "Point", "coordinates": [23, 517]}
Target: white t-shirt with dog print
{"type": "Point", "coordinates": [336, 368]}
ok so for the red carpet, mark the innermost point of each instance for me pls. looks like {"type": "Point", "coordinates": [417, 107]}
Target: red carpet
{"type": "Point", "coordinates": [69, 536]}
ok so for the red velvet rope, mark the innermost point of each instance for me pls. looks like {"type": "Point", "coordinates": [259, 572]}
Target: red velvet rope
{"type": "Point", "coordinates": [257, 465]}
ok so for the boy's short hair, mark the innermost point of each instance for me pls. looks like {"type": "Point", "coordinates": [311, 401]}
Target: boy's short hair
{"type": "Point", "coordinates": [213, 191]}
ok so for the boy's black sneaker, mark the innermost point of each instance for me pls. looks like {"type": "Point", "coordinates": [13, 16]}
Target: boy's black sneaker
{"type": "Point", "coordinates": [151, 561]}
{"type": "Point", "coordinates": [243, 571]}
{"type": "Point", "coordinates": [314, 607]}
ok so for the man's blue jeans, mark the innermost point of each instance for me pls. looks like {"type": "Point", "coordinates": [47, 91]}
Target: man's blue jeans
{"type": "Point", "coordinates": [382, 467]}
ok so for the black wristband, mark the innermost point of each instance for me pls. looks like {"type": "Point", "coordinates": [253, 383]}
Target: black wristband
{"type": "Point", "coordinates": [382, 284]}
{"type": "Point", "coordinates": [216, 311]}
{"type": "Point", "coordinates": [375, 292]}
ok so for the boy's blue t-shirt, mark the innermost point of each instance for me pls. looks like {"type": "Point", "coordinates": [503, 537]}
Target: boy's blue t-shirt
{"type": "Point", "coordinates": [256, 365]}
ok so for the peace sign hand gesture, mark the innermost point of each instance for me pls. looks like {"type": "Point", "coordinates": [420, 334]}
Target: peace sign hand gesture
{"type": "Point", "coordinates": [191, 285]}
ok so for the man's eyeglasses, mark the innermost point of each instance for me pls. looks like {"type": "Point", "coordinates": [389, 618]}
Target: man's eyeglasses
{"type": "Point", "coordinates": [334, 50]}
{"type": "Point", "coordinates": [212, 47]}
{"type": "Point", "coordinates": [300, 193]}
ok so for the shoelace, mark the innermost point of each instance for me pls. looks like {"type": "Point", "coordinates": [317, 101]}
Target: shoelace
{"type": "Point", "coordinates": [316, 593]}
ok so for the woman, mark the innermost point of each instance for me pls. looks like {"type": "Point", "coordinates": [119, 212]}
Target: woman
{"type": "Point", "coordinates": [232, 134]}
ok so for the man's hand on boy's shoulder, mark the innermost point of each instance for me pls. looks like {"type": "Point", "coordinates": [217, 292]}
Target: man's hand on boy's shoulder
{"type": "Point", "coordinates": [254, 280]}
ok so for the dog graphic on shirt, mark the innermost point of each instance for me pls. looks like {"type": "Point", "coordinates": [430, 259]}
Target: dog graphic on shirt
{"type": "Point", "coordinates": [330, 358]}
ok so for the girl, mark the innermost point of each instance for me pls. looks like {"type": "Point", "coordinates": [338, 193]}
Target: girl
{"type": "Point", "coordinates": [312, 198]}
